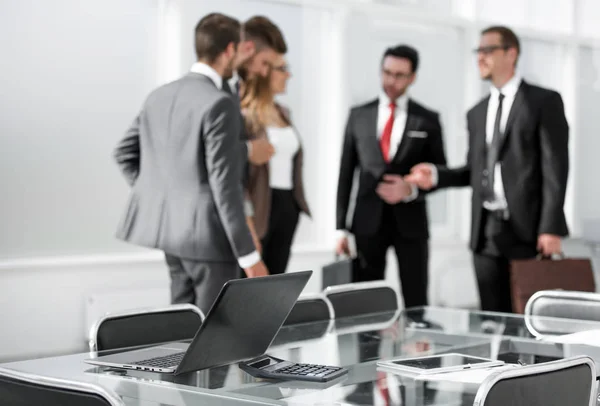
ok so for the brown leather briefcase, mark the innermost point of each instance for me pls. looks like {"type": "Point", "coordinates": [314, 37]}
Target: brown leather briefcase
{"type": "Point", "coordinates": [530, 276]}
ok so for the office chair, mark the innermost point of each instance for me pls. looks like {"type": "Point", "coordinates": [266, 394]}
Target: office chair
{"type": "Point", "coordinates": [363, 298]}
{"type": "Point", "coordinates": [23, 389]}
{"type": "Point", "coordinates": [545, 308]}
{"type": "Point", "coordinates": [569, 381]}
{"type": "Point", "coordinates": [309, 309]}
{"type": "Point", "coordinates": [143, 327]}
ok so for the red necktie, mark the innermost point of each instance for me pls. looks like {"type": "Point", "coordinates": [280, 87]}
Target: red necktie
{"type": "Point", "coordinates": [382, 386]}
{"type": "Point", "coordinates": [386, 136]}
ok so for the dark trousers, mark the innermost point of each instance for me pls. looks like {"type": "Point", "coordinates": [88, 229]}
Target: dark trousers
{"type": "Point", "coordinates": [412, 255]}
{"type": "Point", "coordinates": [497, 246]}
{"type": "Point", "coordinates": [283, 221]}
{"type": "Point", "coordinates": [196, 282]}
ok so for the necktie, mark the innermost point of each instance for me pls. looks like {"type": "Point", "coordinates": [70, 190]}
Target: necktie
{"type": "Point", "coordinates": [386, 136]}
{"type": "Point", "coordinates": [226, 87]}
{"type": "Point", "coordinates": [492, 156]}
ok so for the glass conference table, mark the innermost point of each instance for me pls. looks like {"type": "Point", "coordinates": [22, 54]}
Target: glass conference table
{"type": "Point", "coordinates": [356, 343]}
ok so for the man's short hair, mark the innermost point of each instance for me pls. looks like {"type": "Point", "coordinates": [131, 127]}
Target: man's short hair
{"type": "Point", "coordinates": [406, 52]}
{"type": "Point", "coordinates": [213, 35]}
{"type": "Point", "coordinates": [507, 36]}
{"type": "Point", "coordinates": [264, 33]}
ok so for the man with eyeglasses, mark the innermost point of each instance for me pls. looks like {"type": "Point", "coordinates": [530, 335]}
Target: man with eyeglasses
{"type": "Point", "coordinates": [384, 138]}
{"type": "Point", "coordinates": [517, 165]}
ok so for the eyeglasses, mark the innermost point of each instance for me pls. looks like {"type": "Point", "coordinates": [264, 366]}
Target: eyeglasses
{"type": "Point", "coordinates": [282, 68]}
{"type": "Point", "coordinates": [489, 49]}
{"type": "Point", "coordinates": [397, 76]}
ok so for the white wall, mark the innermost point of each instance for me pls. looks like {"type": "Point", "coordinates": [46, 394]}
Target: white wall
{"type": "Point", "coordinates": [73, 77]}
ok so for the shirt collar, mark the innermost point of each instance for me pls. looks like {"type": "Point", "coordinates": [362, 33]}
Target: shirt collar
{"type": "Point", "coordinates": [208, 71]}
{"type": "Point", "coordinates": [509, 89]}
{"type": "Point", "coordinates": [401, 102]}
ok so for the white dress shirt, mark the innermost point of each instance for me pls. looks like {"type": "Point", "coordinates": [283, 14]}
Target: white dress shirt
{"type": "Point", "coordinates": [400, 117]}
{"type": "Point", "coordinates": [254, 257]}
{"type": "Point", "coordinates": [281, 166]}
{"type": "Point", "coordinates": [234, 81]}
{"type": "Point", "coordinates": [206, 70]}
{"type": "Point", "coordinates": [509, 90]}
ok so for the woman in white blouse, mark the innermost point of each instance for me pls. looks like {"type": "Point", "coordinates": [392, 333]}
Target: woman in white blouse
{"type": "Point", "coordinates": [275, 188]}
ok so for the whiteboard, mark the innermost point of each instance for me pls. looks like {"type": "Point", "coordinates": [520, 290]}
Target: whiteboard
{"type": "Point", "coordinates": [73, 75]}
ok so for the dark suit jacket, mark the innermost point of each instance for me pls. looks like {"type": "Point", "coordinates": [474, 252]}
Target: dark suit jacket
{"type": "Point", "coordinates": [534, 161]}
{"type": "Point", "coordinates": [361, 150]}
{"type": "Point", "coordinates": [182, 158]}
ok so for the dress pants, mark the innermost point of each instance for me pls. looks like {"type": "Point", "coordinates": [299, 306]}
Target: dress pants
{"type": "Point", "coordinates": [197, 282]}
{"type": "Point", "coordinates": [412, 255]}
{"type": "Point", "coordinates": [283, 221]}
{"type": "Point", "coordinates": [497, 246]}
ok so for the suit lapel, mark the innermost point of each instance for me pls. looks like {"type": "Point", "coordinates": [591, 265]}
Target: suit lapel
{"type": "Point", "coordinates": [481, 128]}
{"type": "Point", "coordinates": [370, 116]}
{"type": "Point", "coordinates": [412, 124]}
{"type": "Point", "coordinates": [516, 107]}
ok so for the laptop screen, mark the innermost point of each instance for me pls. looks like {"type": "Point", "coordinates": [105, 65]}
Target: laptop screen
{"type": "Point", "coordinates": [243, 320]}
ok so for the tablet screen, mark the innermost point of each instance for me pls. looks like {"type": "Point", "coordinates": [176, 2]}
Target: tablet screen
{"type": "Point", "coordinates": [440, 361]}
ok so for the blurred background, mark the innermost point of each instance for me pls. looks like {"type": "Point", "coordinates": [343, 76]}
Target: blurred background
{"type": "Point", "coordinates": [74, 73]}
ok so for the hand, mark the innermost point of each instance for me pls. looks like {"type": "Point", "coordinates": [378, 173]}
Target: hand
{"type": "Point", "coordinates": [257, 270]}
{"type": "Point", "coordinates": [549, 244]}
{"type": "Point", "coordinates": [260, 151]}
{"type": "Point", "coordinates": [393, 189]}
{"type": "Point", "coordinates": [342, 247]}
{"type": "Point", "coordinates": [421, 175]}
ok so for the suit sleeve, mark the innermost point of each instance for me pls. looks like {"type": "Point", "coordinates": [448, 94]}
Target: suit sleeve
{"type": "Point", "coordinates": [461, 176]}
{"type": "Point", "coordinates": [554, 154]}
{"type": "Point", "coordinates": [437, 156]}
{"type": "Point", "coordinates": [222, 149]}
{"type": "Point", "coordinates": [348, 165]}
{"type": "Point", "coordinates": [435, 152]}
{"type": "Point", "coordinates": [127, 152]}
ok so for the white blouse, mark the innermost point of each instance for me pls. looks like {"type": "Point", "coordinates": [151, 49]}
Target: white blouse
{"type": "Point", "coordinates": [281, 166]}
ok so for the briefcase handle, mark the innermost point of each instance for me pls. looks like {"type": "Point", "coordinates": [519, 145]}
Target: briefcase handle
{"type": "Point", "coordinates": [560, 255]}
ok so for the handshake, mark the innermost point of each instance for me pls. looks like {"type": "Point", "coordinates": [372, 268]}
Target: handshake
{"type": "Point", "coordinates": [422, 176]}
{"type": "Point", "coordinates": [395, 188]}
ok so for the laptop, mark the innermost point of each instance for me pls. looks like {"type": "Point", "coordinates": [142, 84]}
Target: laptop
{"type": "Point", "coordinates": [240, 325]}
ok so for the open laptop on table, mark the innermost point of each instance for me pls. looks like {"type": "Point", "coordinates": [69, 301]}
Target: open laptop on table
{"type": "Point", "coordinates": [241, 324]}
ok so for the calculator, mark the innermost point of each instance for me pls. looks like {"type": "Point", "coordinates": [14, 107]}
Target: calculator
{"type": "Point", "coordinates": [274, 368]}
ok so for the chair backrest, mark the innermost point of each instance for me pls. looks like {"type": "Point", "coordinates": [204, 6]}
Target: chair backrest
{"type": "Point", "coordinates": [357, 299]}
{"type": "Point", "coordinates": [548, 304]}
{"type": "Point", "coordinates": [21, 389]}
{"type": "Point", "coordinates": [145, 327]}
{"type": "Point", "coordinates": [569, 381]}
{"type": "Point", "coordinates": [310, 309]}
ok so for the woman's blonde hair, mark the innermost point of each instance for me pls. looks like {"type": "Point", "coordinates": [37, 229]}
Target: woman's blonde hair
{"type": "Point", "coordinates": [257, 96]}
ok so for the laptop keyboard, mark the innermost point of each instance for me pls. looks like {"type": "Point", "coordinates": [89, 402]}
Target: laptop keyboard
{"type": "Point", "coordinates": [167, 361]}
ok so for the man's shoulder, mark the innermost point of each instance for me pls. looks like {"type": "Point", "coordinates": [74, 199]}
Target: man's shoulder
{"type": "Point", "coordinates": [358, 109]}
{"type": "Point", "coordinates": [190, 90]}
{"type": "Point", "coordinates": [479, 106]}
{"type": "Point", "coordinates": [422, 110]}
{"type": "Point", "coordinates": [537, 92]}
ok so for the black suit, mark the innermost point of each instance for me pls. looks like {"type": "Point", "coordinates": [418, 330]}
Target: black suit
{"type": "Point", "coordinates": [377, 225]}
{"type": "Point", "coordinates": [534, 162]}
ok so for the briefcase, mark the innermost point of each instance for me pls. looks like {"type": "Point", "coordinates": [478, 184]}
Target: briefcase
{"type": "Point", "coordinates": [339, 272]}
{"type": "Point", "coordinates": [530, 276]}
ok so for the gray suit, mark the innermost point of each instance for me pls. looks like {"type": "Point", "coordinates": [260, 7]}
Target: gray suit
{"type": "Point", "coordinates": [183, 160]}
